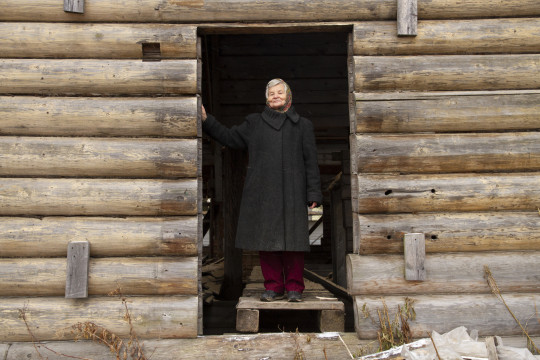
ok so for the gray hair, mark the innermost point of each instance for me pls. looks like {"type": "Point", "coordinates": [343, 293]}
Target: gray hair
{"type": "Point", "coordinates": [273, 83]}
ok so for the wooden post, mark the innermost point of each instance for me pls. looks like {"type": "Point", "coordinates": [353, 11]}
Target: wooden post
{"type": "Point", "coordinates": [74, 6]}
{"type": "Point", "coordinates": [407, 18]}
{"type": "Point", "coordinates": [77, 270]}
{"type": "Point", "coordinates": [415, 256]}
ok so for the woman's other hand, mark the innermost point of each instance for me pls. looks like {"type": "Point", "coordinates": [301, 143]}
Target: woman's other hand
{"type": "Point", "coordinates": [203, 113]}
{"type": "Point", "coordinates": [312, 205]}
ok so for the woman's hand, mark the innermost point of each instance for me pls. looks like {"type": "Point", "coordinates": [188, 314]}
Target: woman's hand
{"type": "Point", "coordinates": [203, 113]}
{"type": "Point", "coordinates": [312, 205]}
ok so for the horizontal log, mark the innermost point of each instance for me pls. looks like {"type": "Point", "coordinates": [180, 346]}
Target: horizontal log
{"type": "Point", "coordinates": [478, 36]}
{"type": "Point", "coordinates": [103, 77]}
{"type": "Point", "coordinates": [446, 72]}
{"type": "Point", "coordinates": [51, 318]}
{"type": "Point", "coordinates": [442, 313]}
{"type": "Point", "coordinates": [138, 236]}
{"type": "Point", "coordinates": [447, 112]}
{"type": "Point", "coordinates": [194, 11]}
{"type": "Point", "coordinates": [211, 347]}
{"type": "Point", "coordinates": [80, 116]}
{"type": "Point", "coordinates": [446, 232]}
{"type": "Point", "coordinates": [135, 276]}
{"type": "Point", "coordinates": [97, 197]}
{"type": "Point", "coordinates": [447, 193]}
{"type": "Point", "coordinates": [448, 153]}
{"type": "Point", "coordinates": [106, 41]}
{"type": "Point", "coordinates": [452, 273]}
{"type": "Point", "coordinates": [98, 157]}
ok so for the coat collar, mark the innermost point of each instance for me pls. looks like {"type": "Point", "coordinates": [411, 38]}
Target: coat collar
{"type": "Point", "coordinates": [276, 119]}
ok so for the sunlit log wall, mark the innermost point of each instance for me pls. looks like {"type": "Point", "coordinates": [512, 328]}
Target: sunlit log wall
{"type": "Point", "coordinates": [98, 145]}
{"type": "Point", "coordinates": [445, 130]}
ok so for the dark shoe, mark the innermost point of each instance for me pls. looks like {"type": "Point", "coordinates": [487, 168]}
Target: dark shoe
{"type": "Point", "coordinates": [270, 295]}
{"type": "Point", "coordinates": [294, 296]}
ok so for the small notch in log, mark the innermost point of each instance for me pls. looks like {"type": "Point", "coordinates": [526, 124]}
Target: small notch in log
{"type": "Point", "coordinates": [74, 6]}
{"type": "Point", "coordinates": [151, 52]}
{"type": "Point", "coordinates": [407, 18]}
{"type": "Point", "coordinates": [415, 256]}
{"type": "Point", "coordinates": [78, 255]}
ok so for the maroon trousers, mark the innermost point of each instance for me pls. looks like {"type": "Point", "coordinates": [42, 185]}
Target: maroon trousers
{"type": "Point", "coordinates": [283, 270]}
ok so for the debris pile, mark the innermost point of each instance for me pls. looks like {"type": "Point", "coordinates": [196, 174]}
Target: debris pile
{"type": "Point", "coordinates": [454, 345]}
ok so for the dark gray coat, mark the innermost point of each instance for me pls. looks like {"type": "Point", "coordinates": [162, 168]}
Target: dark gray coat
{"type": "Point", "coordinates": [282, 177]}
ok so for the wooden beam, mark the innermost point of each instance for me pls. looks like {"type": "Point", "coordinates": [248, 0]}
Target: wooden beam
{"type": "Point", "coordinates": [442, 313]}
{"type": "Point", "coordinates": [78, 254]}
{"type": "Point", "coordinates": [407, 17]}
{"type": "Point", "coordinates": [415, 255]}
{"type": "Point", "coordinates": [51, 318]}
{"type": "Point", "coordinates": [198, 11]}
{"type": "Point", "coordinates": [444, 72]}
{"type": "Point", "coordinates": [447, 111]}
{"type": "Point", "coordinates": [98, 276]}
{"type": "Point", "coordinates": [456, 36]}
{"type": "Point", "coordinates": [97, 41]}
{"type": "Point", "coordinates": [384, 193]}
{"type": "Point", "coordinates": [97, 197]}
{"type": "Point", "coordinates": [95, 157]}
{"type": "Point", "coordinates": [74, 6]}
{"type": "Point", "coordinates": [90, 77]}
{"type": "Point", "coordinates": [450, 273]}
{"type": "Point", "coordinates": [99, 116]}
{"type": "Point", "coordinates": [448, 153]}
{"type": "Point", "coordinates": [109, 236]}
{"type": "Point", "coordinates": [450, 232]}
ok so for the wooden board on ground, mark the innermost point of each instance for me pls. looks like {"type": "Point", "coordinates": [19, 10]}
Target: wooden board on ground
{"type": "Point", "coordinates": [331, 310]}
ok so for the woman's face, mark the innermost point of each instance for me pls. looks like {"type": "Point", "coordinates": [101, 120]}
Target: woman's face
{"type": "Point", "coordinates": [276, 96]}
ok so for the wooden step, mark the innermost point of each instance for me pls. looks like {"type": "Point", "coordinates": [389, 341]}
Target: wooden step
{"type": "Point", "coordinates": [330, 310]}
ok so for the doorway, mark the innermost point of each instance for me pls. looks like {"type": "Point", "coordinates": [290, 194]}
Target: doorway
{"type": "Point", "coordinates": [235, 71]}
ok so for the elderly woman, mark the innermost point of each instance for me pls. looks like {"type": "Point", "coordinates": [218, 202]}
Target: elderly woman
{"type": "Point", "coordinates": [282, 181]}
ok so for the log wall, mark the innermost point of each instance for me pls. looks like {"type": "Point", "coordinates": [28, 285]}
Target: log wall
{"type": "Point", "coordinates": [100, 146]}
{"type": "Point", "coordinates": [444, 134]}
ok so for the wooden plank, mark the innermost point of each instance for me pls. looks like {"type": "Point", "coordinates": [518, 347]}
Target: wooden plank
{"type": "Point", "coordinates": [451, 273]}
{"type": "Point", "coordinates": [383, 193]}
{"type": "Point", "coordinates": [231, 346]}
{"type": "Point", "coordinates": [456, 36]}
{"type": "Point", "coordinates": [97, 197]}
{"type": "Point", "coordinates": [74, 6]}
{"type": "Point", "coordinates": [84, 116]}
{"type": "Point", "coordinates": [415, 256]}
{"type": "Point", "coordinates": [135, 236]}
{"type": "Point", "coordinates": [104, 77]}
{"type": "Point", "coordinates": [331, 320]}
{"type": "Point", "coordinates": [95, 41]}
{"type": "Point", "coordinates": [451, 232]}
{"type": "Point", "coordinates": [135, 276]}
{"type": "Point", "coordinates": [51, 318]}
{"type": "Point", "coordinates": [98, 157]}
{"type": "Point", "coordinates": [448, 153]}
{"type": "Point", "coordinates": [442, 313]}
{"type": "Point", "coordinates": [76, 273]}
{"type": "Point", "coordinates": [407, 18]}
{"type": "Point", "coordinates": [310, 302]}
{"type": "Point", "coordinates": [247, 320]}
{"type": "Point", "coordinates": [194, 11]}
{"type": "Point", "coordinates": [443, 73]}
{"type": "Point", "coordinates": [401, 113]}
